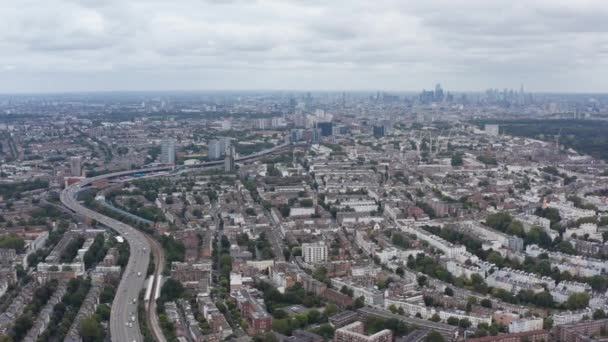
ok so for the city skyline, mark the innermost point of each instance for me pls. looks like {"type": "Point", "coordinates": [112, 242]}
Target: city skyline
{"type": "Point", "coordinates": [556, 46]}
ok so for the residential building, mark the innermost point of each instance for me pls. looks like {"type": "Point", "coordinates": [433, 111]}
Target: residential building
{"type": "Point", "coordinates": [314, 252]}
{"type": "Point", "coordinates": [167, 152]}
{"type": "Point", "coordinates": [355, 332]}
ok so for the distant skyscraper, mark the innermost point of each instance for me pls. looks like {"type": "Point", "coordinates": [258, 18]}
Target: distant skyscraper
{"type": "Point", "coordinates": [215, 151]}
{"type": "Point", "coordinates": [225, 144]}
{"type": "Point", "coordinates": [378, 131]}
{"type": "Point", "coordinates": [229, 160]}
{"type": "Point", "coordinates": [316, 136]}
{"type": "Point", "coordinates": [76, 166]}
{"type": "Point", "coordinates": [167, 152]}
{"type": "Point", "coordinates": [438, 93]}
{"type": "Point", "coordinates": [296, 135]}
{"type": "Point", "coordinates": [326, 128]}
{"type": "Point", "coordinates": [218, 147]}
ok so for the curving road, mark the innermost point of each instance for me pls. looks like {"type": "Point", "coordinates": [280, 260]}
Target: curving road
{"type": "Point", "coordinates": [124, 325]}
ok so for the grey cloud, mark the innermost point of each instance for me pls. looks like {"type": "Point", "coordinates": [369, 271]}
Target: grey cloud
{"type": "Point", "coordinates": [353, 43]}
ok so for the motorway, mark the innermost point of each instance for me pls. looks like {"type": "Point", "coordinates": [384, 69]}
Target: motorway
{"type": "Point", "coordinates": [124, 325]}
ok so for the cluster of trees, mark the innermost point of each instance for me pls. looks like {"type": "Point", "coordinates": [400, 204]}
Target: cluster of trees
{"type": "Point", "coordinates": [107, 294]}
{"type": "Point", "coordinates": [170, 291]}
{"type": "Point", "coordinates": [245, 149]}
{"type": "Point", "coordinates": [375, 324]}
{"type": "Point", "coordinates": [487, 160]}
{"type": "Point", "coordinates": [543, 299]}
{"type": "Point", "coordinates": [264, 247]}
{"type": "Point", "coordinates": [66, 310]}
{"type": "Point", "coordinates": [553, 171]}
{"type": "Point", "coordinates": [427, 209]}
{"type": "Point", "coordinates": [261, 246]}
{"type": "Point", "coordinates": [23, 324]}
{"type": "Point", "coordinates": [504, 222]}
{"type": "Point", "coordinates": [399, 240]}
{"type": "Point", "coordinates": [285, 325]}
{"type": "Point", "coordinates": [457, 159]}
{"type": "Point", "coordinates": [541, 266]}
{"type": "Point", "coordinates": [463, 322]}
{"type": "Point", "coordinates": [150, 213]}
{"type": "Point", "coordinates": [483, 329]}
{"type": "Point", "coordinates": [427, 265]}
{"type": "Point", "coordinates": [222, 262]}
{"type": "Point", "coordinates": [14, 190]}
{"type": "Point", "coordinates": [167, 327]}
{"type": "Point", "coordinates": [579, 203]}
{"type": "Point", "coordinates": [174, 249]}
{"type": "Point", "coordinates": [54, 237]}
{"type": "Point", "coordinates": [320, 274]}
{"type": "Point", "coordinates": [151, 187]}
{"type": "Point", "coordinates": [12, 241]}
{"type": "Point", "coordinates": [294, 295]}
{"type": "Point", "coordinates": [91, 329]}
{"type": "Point", "coordinates": [123, 253]}
{"type": "Point", "coordinates": [120, 217]}
{"type": "Point", "coordinates": [97, 251]}
{"type": "Point", "coordinates": [587, 136]}
{"type": "Point", "coordinates": [72, 249]}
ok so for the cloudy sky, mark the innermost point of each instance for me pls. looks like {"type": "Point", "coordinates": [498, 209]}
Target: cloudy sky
{"type": "Point", "coordinates": [86, 45]}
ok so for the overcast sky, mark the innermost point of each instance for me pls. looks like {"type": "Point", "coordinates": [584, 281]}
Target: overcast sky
{"type": "Point", "coordinates": [70, 45]}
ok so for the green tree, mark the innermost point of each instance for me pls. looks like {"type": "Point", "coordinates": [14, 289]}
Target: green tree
{"type": "Point", "coordinates": [548, 323]}
{"type": "Point", "coordinates": [577, 301]}
{"type": "Point", "coordinates": [464, 323]}
{"type": "Point", "coordinates": [453, 321]}
{"type": "Point", "coordinates": [359, 302]}
{"type": "Point", "coordinates": [103, 312]}
{"type": "Point", "coordinates": [171, 290]}
{"type": "Point", "coordinates": [326, 331]}
{"type": "Point", "coordinates": [599, 314]}
{"type": "Point", "coordinates": [314, 316]}
{"type": "Point", "coordinates": [90, 330]}
{"type": "Point", "coordinates": [434, 336]}
{"type": "Point", "coordinates": [457, 159]}
{"type": "Point", "coordinates": [330, 309]}
{"type": "Point", "coordinates": [486, 303]}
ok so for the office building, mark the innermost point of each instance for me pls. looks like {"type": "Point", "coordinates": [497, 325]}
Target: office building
{"type": "Point", "coordinates": [326, 128]}
{"type": "Point", "coordinates": [378, 131]}
{"type": "Point", "coordinates": [167, 152]}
